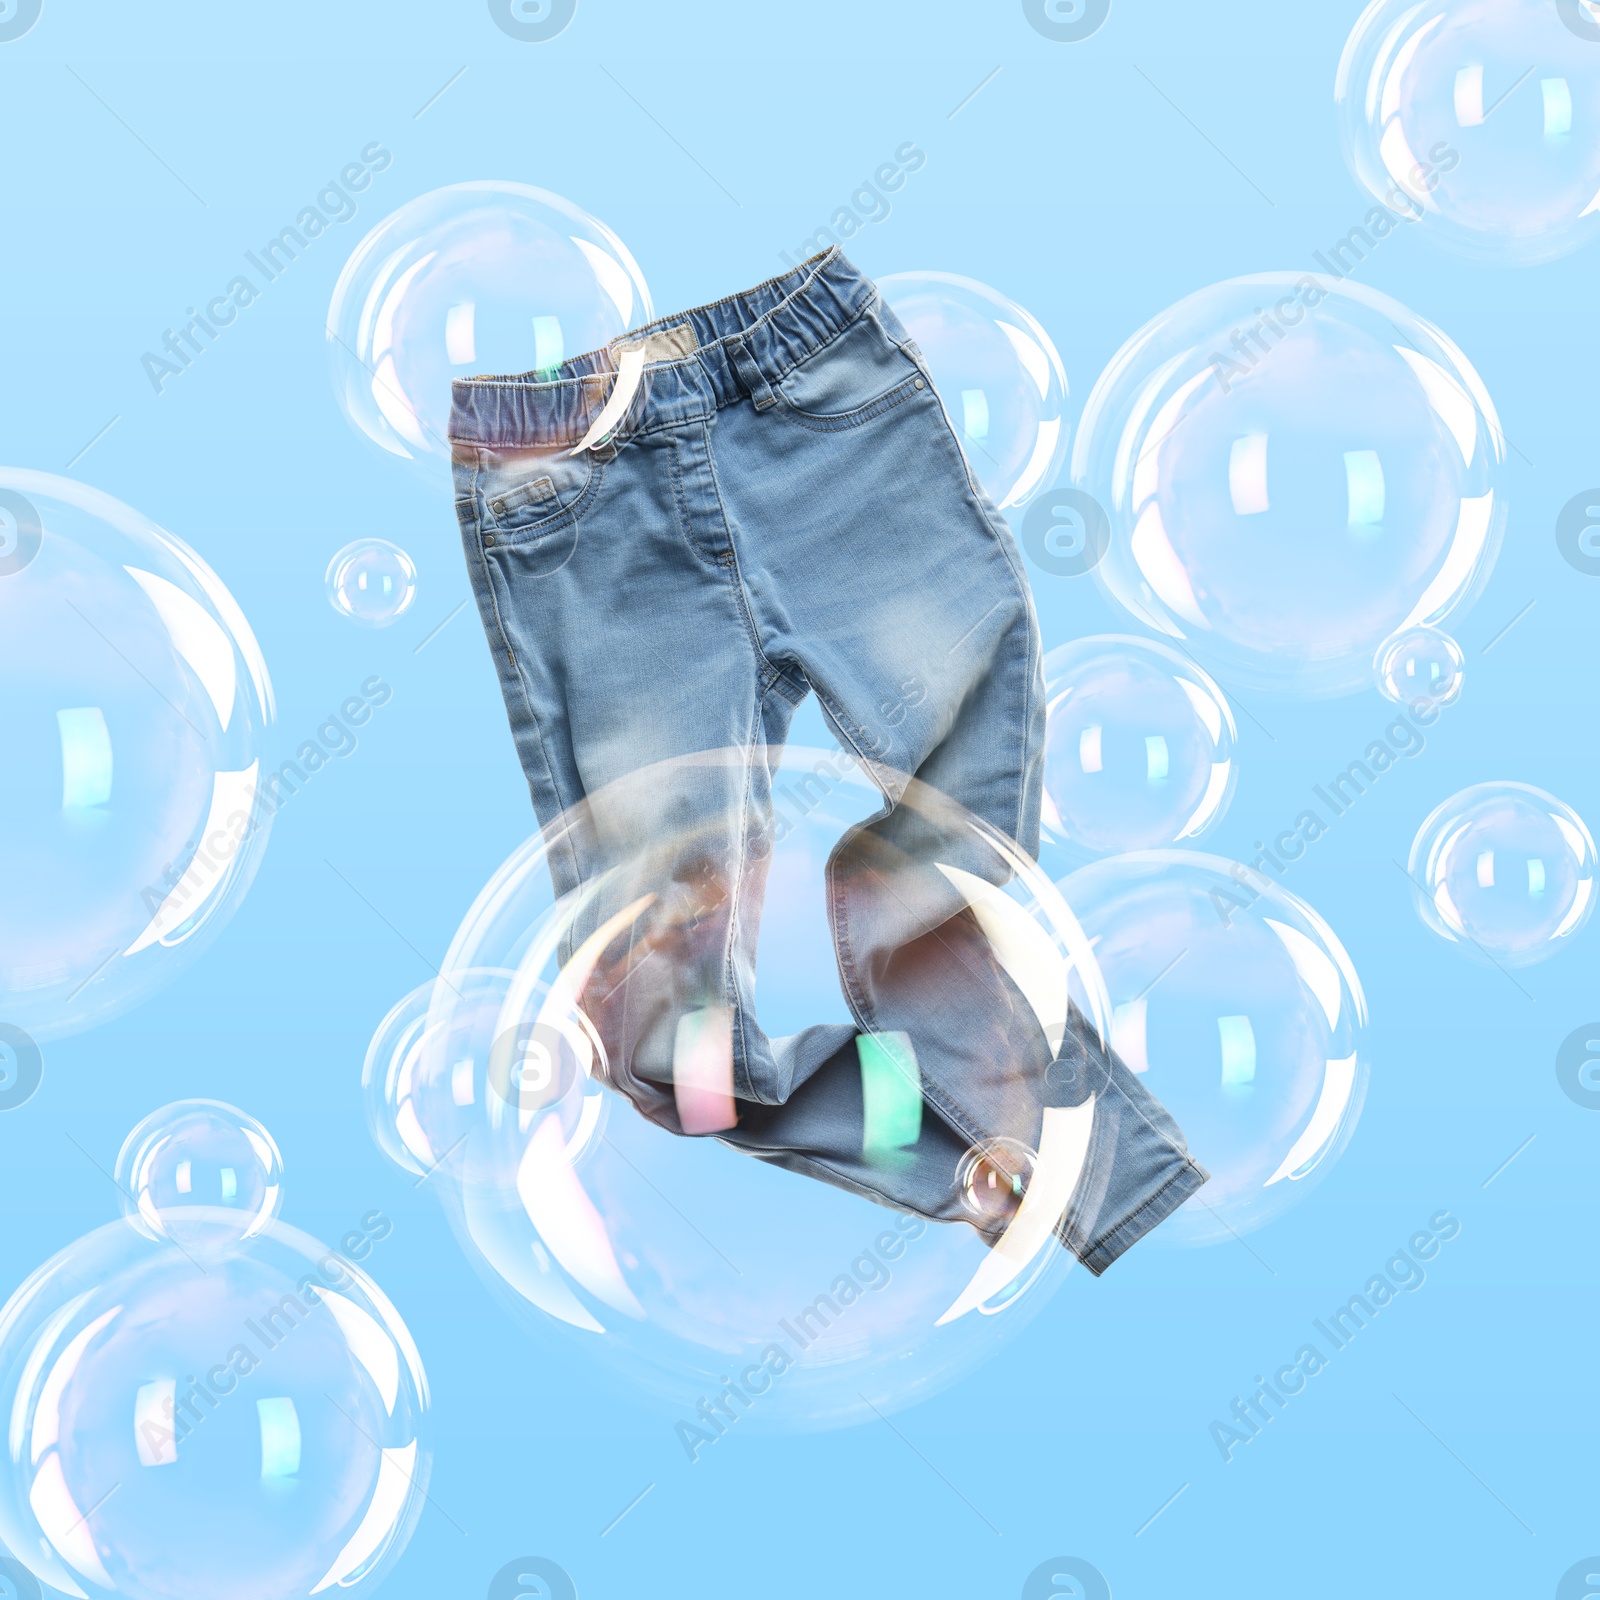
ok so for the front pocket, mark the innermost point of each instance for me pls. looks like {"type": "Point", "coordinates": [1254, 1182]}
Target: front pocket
{"type": "Point", "coordinates": [523, 493]}
{"type": "Point", "coordinates": [856, 376]}
{"type": "Point", "coordinates": [840, 421]}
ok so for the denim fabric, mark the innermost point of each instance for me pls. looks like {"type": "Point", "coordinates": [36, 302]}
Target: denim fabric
{"type": "Point", "coordinates": [784, 510]}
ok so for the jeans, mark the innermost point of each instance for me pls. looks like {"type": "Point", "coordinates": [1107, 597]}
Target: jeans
{"type": "Point", "coordinates": [783, 509]}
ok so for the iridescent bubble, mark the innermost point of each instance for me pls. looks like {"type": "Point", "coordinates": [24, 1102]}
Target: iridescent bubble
{"type": "Point", "coordinates": [995, 1175]}
{"type": "Point", "coordinates": [1139, 746]}
{"type": "Point", "coordinates": [246, 1418]}
{"type": "Point", "coordinates": [1504, 870]}
{"type": "Point", "coordinates": [133, 704]}
{"type": "Point", "coordinates": [656, 1242]}
{"type": "Point", "coordinates": [479, 1027]}
{"type": "Point", "coordinates": [1241, 1012]}
{"type": "Point", "coordinates": [201, 1173]}
{"type": "Point", "coordinates": [1294, 471]}
{"type": "Point", "coordinates": [476, 278]}
{"type": "Point", "coordinates": [372, 582]}
{"type": "Point", "coordinates": [1002, 383]}
{"type": "Point", "coordinates": [1478, 118]}
{"type": "Point", "coordinates": [1420, 664]}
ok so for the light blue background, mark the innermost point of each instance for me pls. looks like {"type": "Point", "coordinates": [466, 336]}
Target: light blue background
{"type": "Point", "coordinates": [1072, 185]}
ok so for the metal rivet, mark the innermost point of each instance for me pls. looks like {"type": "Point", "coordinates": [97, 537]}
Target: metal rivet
{"type": "Point", "coordinates": [499, 508]}
{"type": "Point", "coordinates": [919, 383]}
{"type": "Point", "coordinates": [488, 538]}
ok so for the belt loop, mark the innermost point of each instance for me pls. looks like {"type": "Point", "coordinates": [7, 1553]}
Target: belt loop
{"type": "Point", "coordinates": [751, 377]}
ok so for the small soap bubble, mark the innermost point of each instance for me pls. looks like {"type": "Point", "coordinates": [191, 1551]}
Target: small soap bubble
{"type": "Point", "coordinates": [1139, 746]}
{"type": "Point", "coordinates": [372, 582]}
{"type": "Point", "coordinates": [443, 1059]}
{"type": "Point", "coordinates": [994, 1176]}
{"type": "Point", "coordinates": [200, 1172]}
{"type": "Point", "coordinates": [1505, 871]}
{"type": "Point", "coordinates": [1420, 664]}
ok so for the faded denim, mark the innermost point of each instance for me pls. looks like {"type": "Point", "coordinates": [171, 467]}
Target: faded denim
{"type": "Point", "coordinates": [783, 510]}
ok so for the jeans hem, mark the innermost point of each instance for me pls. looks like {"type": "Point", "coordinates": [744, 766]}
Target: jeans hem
{"type": "Point", "coordinates": [1155, 1209]}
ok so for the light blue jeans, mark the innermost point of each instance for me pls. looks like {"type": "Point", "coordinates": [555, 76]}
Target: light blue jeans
{"type": "Point", "coordinates": [782, 510]}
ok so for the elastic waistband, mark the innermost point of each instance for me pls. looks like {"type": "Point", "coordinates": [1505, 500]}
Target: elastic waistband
{"type": "Point", "coordinates": [760, 334]}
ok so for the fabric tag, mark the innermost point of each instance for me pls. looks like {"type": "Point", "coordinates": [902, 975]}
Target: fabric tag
{"type": "Point", "coordinates": [671, 344]}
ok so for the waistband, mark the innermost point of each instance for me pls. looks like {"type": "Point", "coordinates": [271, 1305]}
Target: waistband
{"type": "Point", "coordinates": [743, 342]}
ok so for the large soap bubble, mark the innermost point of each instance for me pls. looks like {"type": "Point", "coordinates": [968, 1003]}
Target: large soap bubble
{"type": "Point", "coordinates": [1138, 746]}
{"type": "Point", "coordinates": [998, 374]}
{"type": "Point", "coordinates": [691, 1268]}
{"type": "Point", "coordinates": [133, 701]}
{"type": "Point", "coordinates": [1240, 1010]}
{"type": "Point", "coordinates": [1293, 471]}
{"type": "Point", "coordinates": [203, 1401]}
{"type": "Point", "coordinates": [1504, 870]}
{"type": "Point", "coordinates": [472, 279]}
{"type": "Point", "coordinates": [1478, 118]}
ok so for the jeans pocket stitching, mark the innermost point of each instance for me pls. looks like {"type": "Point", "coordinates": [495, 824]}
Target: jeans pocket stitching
{"type": "Point", "coordinates": [843, 421]}
{"type": "Point", "coordinates": [532, 532]}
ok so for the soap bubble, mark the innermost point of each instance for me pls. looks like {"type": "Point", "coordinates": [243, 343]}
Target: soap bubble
{"type": "Point", "coordinates": [372, 582]}
{"type": "Point", "coordinates": [421, 1129]}
{"type": "Point", "coordinates": [681, 1261]}
{"type": "Point", "coordinates": [1241, 1012]}
{"type": "Point", "coordinates": [1478, 118]}
{"type": "Point", "coordinates": [473, 279]}
{"type": "Point", "coordinates": [998, 374]}
{"type": "Point", "coordinates": [1420, 664]}
{"type": "Point", "coordinates": [1138, 746]}
{"type": "Point", "coordinates": [183, 1426]}
{"type": "Point", "coordinates": [1293, 472]}
{"type": "Point", "coordinates": [201, 1173]}
{"type": "Point", "coordinates": [1504, 870]}
{"type": "Point", "coordinates": [994, 1175]}
{"type": "Point", "coordinates": [133, 702]}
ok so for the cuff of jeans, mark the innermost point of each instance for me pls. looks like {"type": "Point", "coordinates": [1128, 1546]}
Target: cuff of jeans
{"type": "Point", "coordinates": [1156, 1207]}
